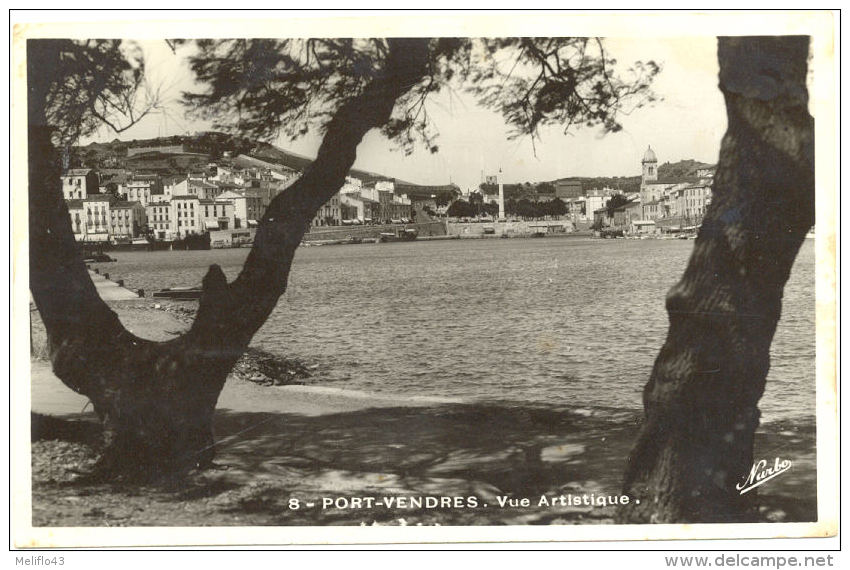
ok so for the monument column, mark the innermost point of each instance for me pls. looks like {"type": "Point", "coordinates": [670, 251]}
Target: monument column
{"type": "Point", "coordinates": [501, 196]}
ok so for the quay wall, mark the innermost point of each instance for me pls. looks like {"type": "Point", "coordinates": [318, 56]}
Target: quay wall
{"type": "Point", "coordinates": [518, 228]}
{"type": "Point", "coordinates": [335, 233]}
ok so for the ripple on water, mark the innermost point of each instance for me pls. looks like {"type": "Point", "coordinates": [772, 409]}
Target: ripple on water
{"type": "Point", "coordinates": [524, 320]}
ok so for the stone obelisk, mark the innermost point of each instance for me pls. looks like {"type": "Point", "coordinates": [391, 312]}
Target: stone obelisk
{"type": "Point", "coordinates": [501, 196]}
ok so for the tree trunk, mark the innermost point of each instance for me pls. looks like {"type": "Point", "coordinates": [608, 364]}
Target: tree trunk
{"type": "Point", "coordinates": [701, 401]}
{"type": "Point", "coordinates": [157, 400]}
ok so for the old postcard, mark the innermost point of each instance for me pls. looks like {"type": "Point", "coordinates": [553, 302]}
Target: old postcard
{"type": "Point", "coordinates": [423, 277]}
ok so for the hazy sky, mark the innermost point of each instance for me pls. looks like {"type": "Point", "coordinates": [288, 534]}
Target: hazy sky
{"type": "Point", "coordinates": [688, 123]}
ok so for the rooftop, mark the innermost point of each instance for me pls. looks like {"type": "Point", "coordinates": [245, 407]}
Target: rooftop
{"type": "Point", "coordinates": [672, 181]}
{"type": "Point", "coordinates": [77, 171]}
{"type": "Point", "coordinates": [124, 205]}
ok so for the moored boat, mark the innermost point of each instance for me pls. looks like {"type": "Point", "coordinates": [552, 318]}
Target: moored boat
{"type": "Point", "coordinates": [180, 293]}
{"type": "Point", "coordinates": [408, 234]}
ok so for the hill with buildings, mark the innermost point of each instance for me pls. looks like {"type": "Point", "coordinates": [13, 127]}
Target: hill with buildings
{"type": "Point", "coordinates": [169, 156]}
{"type": "Point", "coordinates": [629, 184]}
{"type": "Point", "coordinates": [177, 155]}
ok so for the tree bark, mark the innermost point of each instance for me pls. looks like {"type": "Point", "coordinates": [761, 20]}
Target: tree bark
{"type": "Point", "coordinates": [157, 400]}
{"type": "Point", "coordinates": [701, 401]}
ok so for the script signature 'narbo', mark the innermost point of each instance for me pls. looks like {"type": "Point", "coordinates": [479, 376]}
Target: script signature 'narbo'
{"type": "Point", "coordinates": [761, 473]}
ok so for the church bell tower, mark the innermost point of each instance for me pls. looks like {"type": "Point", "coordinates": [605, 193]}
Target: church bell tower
{"type": "Point", "coordinates": [648, 175]}
{"type": "Point", "coordinates": [650, 166]}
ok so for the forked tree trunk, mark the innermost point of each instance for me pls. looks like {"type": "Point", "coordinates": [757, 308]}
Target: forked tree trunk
{"type": "Point", "coordinates": [156, 400]}
{"type": "Point", "coordinates": [701, 402]}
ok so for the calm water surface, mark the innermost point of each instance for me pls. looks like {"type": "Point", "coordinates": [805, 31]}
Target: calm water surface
{"type": "Point", "coordinates": [570, 321]}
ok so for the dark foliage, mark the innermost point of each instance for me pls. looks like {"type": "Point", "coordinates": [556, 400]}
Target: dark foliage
{"type": "Point", "coordinates": [264, 87]}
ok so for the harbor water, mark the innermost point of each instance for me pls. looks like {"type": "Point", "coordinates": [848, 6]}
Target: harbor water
{"type": "Point", "coordinates": [573, 322]}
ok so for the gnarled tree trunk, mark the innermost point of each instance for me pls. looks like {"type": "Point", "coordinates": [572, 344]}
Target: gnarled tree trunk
{"type": "Point", "coordinates": [156, 400]}
{"type": "Point", "coordinates": [701, 402]}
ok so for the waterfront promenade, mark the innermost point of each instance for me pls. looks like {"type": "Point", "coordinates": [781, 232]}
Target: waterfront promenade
{"type": "Point", "coordinates": [110, 290]}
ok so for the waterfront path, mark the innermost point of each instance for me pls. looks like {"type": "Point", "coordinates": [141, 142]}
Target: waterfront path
{"type": "Point", "coordinates": [110, 290]}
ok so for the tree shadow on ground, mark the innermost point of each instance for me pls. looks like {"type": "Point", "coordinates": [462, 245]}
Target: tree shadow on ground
{"type": "Point", "coordinates": [451, 450]}
{"type": "Point", "coordinates": [290, 469]}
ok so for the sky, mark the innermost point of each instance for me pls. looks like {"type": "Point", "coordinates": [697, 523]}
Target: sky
{"type": "Point", "coordinates": [687, 123]}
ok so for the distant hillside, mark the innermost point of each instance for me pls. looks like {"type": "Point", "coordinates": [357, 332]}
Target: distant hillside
{"type": "Point", "coordinates": [198, 151]}
{"type": "Point", "coordinates": [625, 184]}
{"type": "Point", "coordinates": [202, 148]}
{"type": "Point", "coordinates": [629, 184]}
{"type": "Point", "coordinates": [680, 169]}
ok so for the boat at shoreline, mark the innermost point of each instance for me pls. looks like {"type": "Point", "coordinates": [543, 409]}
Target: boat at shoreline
{"type": "Point", "coordinates": [407, 234]}
{"type": "Point", "coordinates": [179, 293]}
{"type": "Point", "coordinates": [140, 244]}
{"type": "Point", "coordinates": [97, 257]}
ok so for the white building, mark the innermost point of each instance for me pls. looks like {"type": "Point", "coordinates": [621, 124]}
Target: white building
{"type": "Point", "coordinates": [159, 220]}
{"type": "Point", "coordinates": [216, 215]}
{"type": "Point", "coordinates": [127, 219]}
{"type": "Point", "coordinates": [185, 216]}
{"type": "Point", "coordinates": [79, 183]}
{"type": "Point", "coordinates": [594, 200]}
{"type": "Point", "coordinates": [97, 217]}
{"type": "Point", "coordinates": [138, 191]}
{"type": "Point", "coordinates": [247, 206]}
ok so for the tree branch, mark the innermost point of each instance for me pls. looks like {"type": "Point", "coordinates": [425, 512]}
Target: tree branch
{"type": "Point", "coordinates": [247, 302]}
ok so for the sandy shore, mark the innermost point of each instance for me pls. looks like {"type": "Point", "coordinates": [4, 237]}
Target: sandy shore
{"type": "Point", "coordinates": [325, 447]}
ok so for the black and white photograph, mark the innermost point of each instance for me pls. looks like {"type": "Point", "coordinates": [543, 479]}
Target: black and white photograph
{"type": "Point", "coordinates": [549, 276]}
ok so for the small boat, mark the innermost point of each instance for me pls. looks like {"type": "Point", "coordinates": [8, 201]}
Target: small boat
{"type": "Point", "coordinates": [135, 244]}
{"type": "Point", "coordinates": [180, 293]}
{"type": "Point", "coordinates": [400, 235]}
{"type": "Point", "coordinates": [98, 257]}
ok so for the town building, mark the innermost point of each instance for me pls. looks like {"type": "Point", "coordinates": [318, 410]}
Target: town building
{"type": "Point", "coordinates": [634, 220]}
{"type": "Point", "coordinates": [127, 219]}
{"type": "Point", "coordinates": [247, 204]}
{"type": "Point", "coordinates": [202, 188]}
{"type": "Point", "coordinates": [577, 209]}
{"type": "Point", "coordinates": [595, 199]}
{"type": "Point", "coordinates": [79, 183]}
{"type": "Point", "coordinates": [567, 189]}
{"type": "Point", "coordinates": [141, 188]}
{"type": "Point", "coordinates": [216, 215]}
{"type": "Point", "coordinates": [185, 213]}
{"type": "Point", "coordinates": [694, 202]}
{"type": "Point", "coordinates": [673, 203]}
{"type": "Point", "coordinates": [173, 186]}
{"type": "Point", "coordinates": [77, 213]}
{"type": "Point", "coordinates": [329, 214]}
{"type": "Point", "coordinates": [159, 220]}
{"type": "Point", "coordinates": [359, 203]}
{"type": "Point", "coordinates": [97, 217]}
{"type": "Point", "coordinates": [113, 178]}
